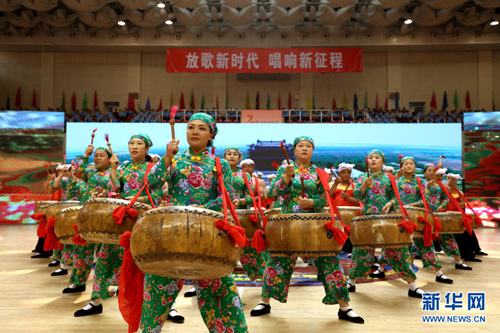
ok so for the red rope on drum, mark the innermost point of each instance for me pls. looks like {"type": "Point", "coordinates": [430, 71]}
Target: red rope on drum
{"type": "Point", "coordinates": [236, 232]}
{"type": "Point", "coordinates": [478, 220]}
{"type": "Point", "coordinates": [40, 232]}
{"type": "Point", "coordinates": [77, 239]}
{"type": "Point", "coordinates": [406, 224]}
{"type": "Point", "coordinates": [466, 219]}
{"type": "Point", "coordinates": [259, 237]}
{"type": "Point", "coordinates": [428, 226]}
{"type": "Point", "coordinates": [51, 242]}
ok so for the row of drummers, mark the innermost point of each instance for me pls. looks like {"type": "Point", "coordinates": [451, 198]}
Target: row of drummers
{"type": "Point", "coordinates": [186, 238]}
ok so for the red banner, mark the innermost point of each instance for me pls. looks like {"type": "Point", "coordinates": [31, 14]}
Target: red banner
{"type": "Point", "coordinates": [261, 116]}
{"type": "Point", "coordinates": [264, 60]}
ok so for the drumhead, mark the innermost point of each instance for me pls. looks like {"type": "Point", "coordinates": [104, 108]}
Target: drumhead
{"type": "Point", "coordinates": [70, 209]}
{"type": "Point", "coordinates": [46, 202]}
{"type": "Point", "coordinates": [75, 203]}
{"type": "Point", "coordinates": [378, 217]}
{"type": "Point", "coordinates": [304, 217]}
{"type": "Point", "coordinates": [187, 209]}
{"type": "Point", "coordinates": [353, 208]}
{"type": "Point", "coordinates": [244, 212]}
{"type": "Point", "coordinates": [272, 211]}
{"type": "Point", "coordinates": [121, 202]}
{"type": "Point", "coordinates": [457, 214]}
{"type": "Point", "coordinates": [419, 209]}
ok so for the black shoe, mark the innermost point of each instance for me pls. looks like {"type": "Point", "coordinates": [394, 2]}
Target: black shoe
{"type": "Point", "coordinates": [379, 275]}
{"type": "Point", "coordinates": [442, 280]}
{"type": "Point", "coordinates": [178, 319]}
{"type": "Point", "coordinates": [375, 266]}
{"type": "Point", "coordinates": [60, 271]}
{"type": "Point", "coordinates": [481, 253]}
{"type": "Point", "coordinates": [77, 289]}
{"type": "Point", "coordinates": [54, 263]}
{"type": "Point", "coordinates": [418, 257]}
{"type": "Point", "coordinates": [190, 293]}
{"type": "Point", "coordinates": [94, 310]}
{"type": "Point", "coordinates": [343, 316]}
{"type": "Point", "coordinates": [413, 293]}
{"type": "Point", "coordinates": [463, 267]}
{"type": "Point", "coordinates": [34, 251]}
{"type": "Point", "coordinates": [265, 310]}
{"type": "Point", "coordinates": [474, 259]}
{"type": "Point", "coordinates": [40, 255]}
{"type": "Point", "coordinates": [351, 288]}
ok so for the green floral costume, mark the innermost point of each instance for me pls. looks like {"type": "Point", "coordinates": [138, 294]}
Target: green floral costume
{"type": "Point", "coordinates": [372, 203]}
{"type": "Point", "coordinates": [278, 272]}
{"type": "Point", "coordinates": [192, 179]}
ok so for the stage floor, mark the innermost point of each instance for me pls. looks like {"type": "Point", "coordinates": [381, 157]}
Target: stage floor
{"type": "Point", "coordinates": [32, 301]}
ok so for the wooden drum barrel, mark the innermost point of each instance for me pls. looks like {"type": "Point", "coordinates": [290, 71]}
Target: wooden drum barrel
{"type": "Point", "coordinates": [346, 212]}
{"type": "Point", "coordinates": [183, 242]}
{"type": "Point", "coordinates": [301, 235]}
{"type": "Point", "coordinates": [250, 227]}
{"type": "Point", "coordinates": [56, 207]}
{"type": "Point", "coordinates": [64, 224]}
{"type": "Point", "coordinates": [380, 231]}
{"type": "Point", "coordinates": [415, 213]}
{"type": "Point", "coordinates": [41, 207]}
{"type": "Point", "coordinates": [96, 223]}
{"type": "Point", "coordinates": [452, 222]}
{"type": "Point", "coordinates": [271, 212]}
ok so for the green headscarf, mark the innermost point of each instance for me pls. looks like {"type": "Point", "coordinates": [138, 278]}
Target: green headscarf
{"type": "Point", "coordinates": [106, 149]}
{"type": "Point", "coordinates": [407, 158]}
{"type": "Point", "coordinates": [207, 119]}
{"type": "Point", "coordinates": [428, 165]}
{"type": "Point", "coordinates": [143, 137]}
{"type": "Point", "coordinates": [232, 147]}
{"type": "Point", "coordinates": [377, 152]}
{"type": "Point", "coordinates": [303, 138]}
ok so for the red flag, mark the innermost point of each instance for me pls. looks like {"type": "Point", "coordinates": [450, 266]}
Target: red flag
{"type": "Point", "coordinates": [33, 102]}
{"type": "Point", "coordinates": [160, 106]}
{"type": "Point", "coordinates": [182, 105]}
{"type": "Point", "coordinates": [386, 106]}
{"type": "Point", "coordinates": [467, 100]}
{"type": "Point", "coordinates": [96, 103]}
{"type": "Point", "coordinates": [17, 103]}
{"type": "Point", "coordinates": [73, 101]}
{"type": "Point", "coordinates": [217, 103]}
{"type": "Point", "coordinates": [433, 101]}
{"type": "Point", "coordinates": [376, 102]}
{"type": "Point", "coordinates": [129, 105]}
{"type": "Point", "coordinates": [334, 104]}
{"type": "Point", "coordinates": [289, 100]}
{"type": "Point", "coordinates": [279, 101]}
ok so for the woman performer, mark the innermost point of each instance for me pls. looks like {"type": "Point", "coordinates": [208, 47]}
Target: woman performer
{"type": "Point", "coordinates": [192, 179]}
{"type": "Point", "coordinates": [467, 244]}
{"type": "Point", "coordinates": [68, 183]}
{"type": "Point", "coordinates": [438, 201]}
{"type": "Point", "coordinates": [411, 195]}
{"type": "Point", "coordinates": [376, 195]}
{"type": "Point", "coordinates": [342, 188]}
{"type": "Point", "coordinates": [279, 270]}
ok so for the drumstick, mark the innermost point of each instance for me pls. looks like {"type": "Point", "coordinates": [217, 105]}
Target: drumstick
{"type": "Point", "coordinates": [302, 180]}
{"type": "Point", "coordinates": [172, 120]}
{"type": "Point", "coordinates": [400, 163]}
{"type": "Point", "coordinates": [367, 168]}
{"type": "Point", "coordinates": [283, 149]}
{"type": "Point", "coordinates": [106, 137]}
{"type": "Point", "coordinates": [440, 159]}
{"type": "Point", "coordinates": [93, 136]}
{"type": "Point", "coordinates": [345, 190]}
{"type": "Point", "coordinates": [47, 168]}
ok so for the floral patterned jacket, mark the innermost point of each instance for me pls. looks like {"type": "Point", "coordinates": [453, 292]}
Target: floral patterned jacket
{"type": "Point", "coordinates": [376, 196]}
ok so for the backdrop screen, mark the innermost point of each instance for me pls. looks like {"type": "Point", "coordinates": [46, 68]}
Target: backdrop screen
{"type": "Point", "coordinates": [28, 140]}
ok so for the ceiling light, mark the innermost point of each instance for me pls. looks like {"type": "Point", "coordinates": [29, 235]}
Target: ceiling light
{"type": "Point", "coordinates": [408, 21]}
{"type": "Point", "coordinates": [122, 23]}
{"type": "Point", "coordinates": [169, 22]}
{"type": "Point", "coordinates": [160, 5]}
{"type": "Point", "coordinates": [494, 22]}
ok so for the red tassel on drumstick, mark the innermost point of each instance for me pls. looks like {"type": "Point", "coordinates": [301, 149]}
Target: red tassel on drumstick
{"type": "Point", "coordinates": [93, 136]}
{"type": "Point", "coordinates": [283, 149]}
{"type": "Point", "coordinates": [106, 137]}
{"type": "Point", "coordinates": [440, 159]}
{"type": "Point", "coordinates": [400, 162]}
{"type": "Point", "coordinates": [172, 120]}
{"type": "Point", "coordinates": [302, 181]}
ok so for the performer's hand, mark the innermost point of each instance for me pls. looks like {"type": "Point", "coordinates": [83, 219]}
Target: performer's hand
{"type": "Point", "coordinates": [336, 181]}
{"type": "Point", "coordinates": [172, 149]}
{"type": "Point", "coordinates": [51, 177]}
{"type": "Point", "coordinates": [431, 183]}
{"type": "Point", "coordinates": [400, 173]}
{"type": "Point", "coordinates": [368, 182]}
{"type": "Point", "coordinates": [440, 165]}
{"type": "Point", "coordinates": [128, 198]}
{"type": "Point", "coordinates": [236, 202]}
{"type": "Point", "coordinates": [290, 170]}
{"type": "Point", "coordinates": [114, 162]}
{"type": "Point", "coordinates": [197, 206]}
{"type": "Point", "coordinates": [89, 151]}
{"type": "Point", "coordinates": [387, 208]}
{"type": "Point", "coordinates": [344, 196]}
{"type": "Point", "coordinates": [306, 203]}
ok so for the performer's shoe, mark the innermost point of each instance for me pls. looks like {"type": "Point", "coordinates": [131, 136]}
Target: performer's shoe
{"type": "Point", "coordinates": [265, 310]}
{"type": "Point", "coordinates": [443, 280]}
{"type": "Point", "coordinates": [175, 317]}
{"type": "Point", "coordinates": [190, 293]}
{"type": "Point", "coordinates": [480, 253]}
{"type": "Point", "coordinates": [54, 263]}
{"type": "Point", "coordinates": [463, 267]}
{"type": "Point", "coordinates": [413, 293]}
{"type": "Point", "coordinates": [59, 271]}
{"type": "Point", "coordinates": [418, 257]}
{"type": "Point", "coordinates": [344, 316]}
{"type": "Point", "coordinates": [379, 275]}
{"type": "Point", "coordinates": [40, 255]}
{"type": "Point", "coordinates": [34, 251]}
{"type": "Point", "coordinates": [351, 288]}
{"type": "Point", "coordinates": [77, 289]}
{"type": "Point", "coordinates": [473, 258]}
{"type": "Point", "coordinates": [96, 309]}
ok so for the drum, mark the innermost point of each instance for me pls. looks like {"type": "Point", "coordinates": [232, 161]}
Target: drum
{"type": "Point", "coordinates": [55, 208]}
{"type": "Point", "coordinates": [346, 212]}
{"type": "Point", "coordinates": [452, 222]}
{"type": "Point", "coordinates": [415, 213]}
{"type": "Point", "coordinates": [183, 242]}
{"type": "Point", "coordinates": [382, 231]}
{"type": "Point", "coordinates": [64, 224]}
{"type": "Point", "coordinates": [41, 207]}
{"type": "Point", "coordinates": [271, 212]}
{"type": "Point", "coordinates": [96, 223]}
{"type": "Point", "coordinates": [301, 235]}
{"type": "Point", "coordinates": [250, 227]}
